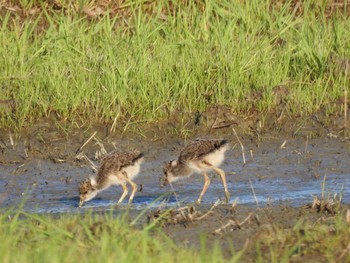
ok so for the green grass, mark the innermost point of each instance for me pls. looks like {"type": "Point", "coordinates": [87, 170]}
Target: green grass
{"type": "Point", "coordinates": [143, 65]}
{"type": "Point", "coordinates": [88, 238]}
{"type": "Point", "coordinates": [326, 240]}
{"type": "Point", "coordinates": [107, 238]}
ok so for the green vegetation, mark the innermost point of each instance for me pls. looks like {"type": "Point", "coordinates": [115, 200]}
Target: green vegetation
{"type": "Point", "coordinates": [147, 60]}
{"type": "Point", "coordinates": [107, 238]}
{"type": "Point", "coordinates": [326, 240]}
{"type": "Point", "coordinates": [88, 238]}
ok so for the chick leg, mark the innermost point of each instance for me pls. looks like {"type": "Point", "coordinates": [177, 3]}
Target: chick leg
{"type": "Point", "coordinates": [205, 187]}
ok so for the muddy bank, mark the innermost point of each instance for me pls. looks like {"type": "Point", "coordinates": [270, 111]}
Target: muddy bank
{"type": "Point", "coordinates": [282, 173]}
{"type": "Point", "coordinates": [243, 227]}
{"type": "Point", "coordinates": [45, 168]}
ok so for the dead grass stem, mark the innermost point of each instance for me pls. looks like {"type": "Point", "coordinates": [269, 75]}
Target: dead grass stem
{"type": "Point", "coordinates": [240, 143]}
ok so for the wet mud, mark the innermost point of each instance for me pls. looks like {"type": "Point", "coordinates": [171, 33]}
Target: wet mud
{"type": "Point", "coordinates": [280, 176]}
{"type": "Point", "coordinates": [278, 170]}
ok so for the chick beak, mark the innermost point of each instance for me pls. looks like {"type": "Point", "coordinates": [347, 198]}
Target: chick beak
{"type": "Point", "coordinates": [163, 183]}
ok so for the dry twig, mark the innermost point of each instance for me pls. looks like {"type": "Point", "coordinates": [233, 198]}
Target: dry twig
{"type": "Point", "coordinates": [256, 199]}
{"type": "Point", "coordinates": [346, 251]}
{"type": "Point", "coordinates": [11, 141]}
{"type": "Point", "coordinates": [207, 213]}
{"type": "Point", "coordinates": [99, 154]}
{"type": "Point", "coordinates": [345, 107]}
{"type": "Point", "coordinates": [86, 142]}
{"type": "Point", "coordinates": [251, 155]}
{"type": "Point", "coordinates": [283, 145]}
{"type": "Point", "coordinates": [240, 143]}
{"type": "Point", "coordinates": [236, 223]}
{"type": "Point", "coordinates": [81, 156]}
{"type": "Point", "coordinates": [179, 215]}
{"type": "Point", "coordinates": [329, 205]}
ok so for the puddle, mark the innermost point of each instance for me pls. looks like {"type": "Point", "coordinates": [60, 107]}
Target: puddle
{"type": "Point", "coordinates": [271, 176]}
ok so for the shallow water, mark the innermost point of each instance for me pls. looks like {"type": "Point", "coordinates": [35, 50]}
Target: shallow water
{"type": "Point", "coordinates": [291, 175]}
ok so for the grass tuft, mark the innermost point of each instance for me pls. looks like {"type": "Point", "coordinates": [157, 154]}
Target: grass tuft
{"type": "Point", "coordinates": [87, 238]}
{"type": "Point", "coordinates": [141, 61]}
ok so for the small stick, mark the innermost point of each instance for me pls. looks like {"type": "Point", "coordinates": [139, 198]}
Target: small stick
{"type": "Point", "coordinates": [11, 141]}
{"type": "Point", "coordinates": [114, 124]}
{"type": "Point", "coordinates": [86, 142]}
{"type": "Point", "coordinates": [246, 219]}
{"type": "Point", "coordinates": [256, 199]}
{"type": "Point", "coordinates": [81, 156]}
{"type": "Point", "coordinates": [345, 108]}
{"type": "Point", "coordinates": [103, 149]}
{"type": "Point", "coordinates": [214, 123]}
{"type": "Point", "coordinates": [181, 210]}
{"type": "Point", "coordinates": [207, 213]}
{"type": "Point", "coordinates": [217, 231]}
{"type": "Point", "coordinates": [323, 185]}
{"type": "Point", "coordinates": [242, 147]}
{"type": "Point", "coordinates": [93, 166]}
{"type": "Point", "coordinates": [283, 144]}
{"type": "Point", "coordinates": [203, 216]}
{"type": "Point", "coordinates": [345, 252]}
{"type": "Point", "coordinates": [234, 204]}
{"type": "Point", "coordinates": [306, 143]}
{"type": "Point", "coordinates": [251, 154]}
{"type": "Point", "coordinates": [233, 223]}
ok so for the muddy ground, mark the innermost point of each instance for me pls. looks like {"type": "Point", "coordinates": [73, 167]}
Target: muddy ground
{"type": "Point", "coordinates": [239, 228]}
{"type": "Point", "coordinates": [42, 166]}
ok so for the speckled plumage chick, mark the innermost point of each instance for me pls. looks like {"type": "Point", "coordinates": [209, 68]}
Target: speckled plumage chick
{"type": "Point", "coordinates": [119, 168]}
{"type": "Point", "coordinates": [199, 156]}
